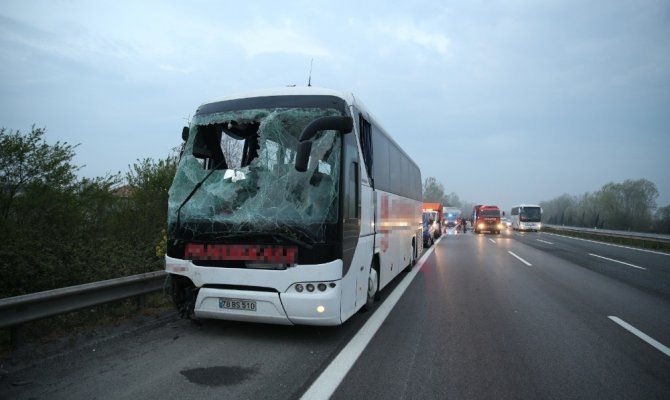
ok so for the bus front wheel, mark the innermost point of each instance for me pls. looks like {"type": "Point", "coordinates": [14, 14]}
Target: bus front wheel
{"type": "Point", "coordinates": [373, 289]}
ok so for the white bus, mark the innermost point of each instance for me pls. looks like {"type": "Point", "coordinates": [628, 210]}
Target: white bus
{"type": "Point", "coordinates": [526, 217]}
{"type": "Point", "coordinates": [289, 206]}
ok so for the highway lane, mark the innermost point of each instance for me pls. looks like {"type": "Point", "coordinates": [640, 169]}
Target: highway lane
{"type": "Point", "coordinates": [646, 269]}
{"type": "Point", "coordinates": [479, 323]}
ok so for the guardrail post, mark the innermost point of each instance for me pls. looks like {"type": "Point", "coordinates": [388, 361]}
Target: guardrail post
{"type": "Point", "coordinates": [15, 336]}
{"type": "Point", "coordinates": [140, 301]}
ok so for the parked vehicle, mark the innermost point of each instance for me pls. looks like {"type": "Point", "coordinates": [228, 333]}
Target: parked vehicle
{"type": "Point", "coordinates": [438, 217]}
{"type": "Point", "coordinates": [429, 227]}
{"type": "Point", "coordinates": [288, 227]}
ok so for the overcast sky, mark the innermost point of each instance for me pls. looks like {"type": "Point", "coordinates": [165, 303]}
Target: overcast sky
{"type": "Point", "coordinates": [503, 102]}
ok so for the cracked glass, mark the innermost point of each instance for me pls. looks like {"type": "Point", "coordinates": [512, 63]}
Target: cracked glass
{"type": "Point", "coordinates": [244, 163]}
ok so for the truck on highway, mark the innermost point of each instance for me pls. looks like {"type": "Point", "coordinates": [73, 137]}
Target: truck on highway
{"type": "Point", "coordinates": [436, 209]}
{"type": "Point", "coordinates": [486, 218]}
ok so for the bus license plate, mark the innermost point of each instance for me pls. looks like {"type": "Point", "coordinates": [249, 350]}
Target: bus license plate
{"type": "Point", "coordinates": [237, 304]}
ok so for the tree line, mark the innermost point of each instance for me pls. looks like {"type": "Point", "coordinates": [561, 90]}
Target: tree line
{"type": "Point", "coordinates": [58, 230]}
{"type": "Point", "coordinates": [630, 205]}
{"type": "Point", "coordinates": [433, 191]}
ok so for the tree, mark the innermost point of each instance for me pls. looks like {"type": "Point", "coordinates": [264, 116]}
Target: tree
{"type": "Point", "coordinates": [58, 230]}
{"type": "Point", "coordinates": [624, 206]}
{"type": "Point", "coordinates": [662, 220]}
{"type": "Point", "coordinates": [628, 205]}
{"type": "Point", "coordinates": [28, 160]}
{"type": "Point", "coordinates": [145, 212]}
{"type": "Point", "coordinates": [433, 191]}
{"type": "Point", "coordinates": [38, 210]}
{"type": "Point", "coordinates": [451, 200]}
{"type": "Point", "coordinates": [554, 211]}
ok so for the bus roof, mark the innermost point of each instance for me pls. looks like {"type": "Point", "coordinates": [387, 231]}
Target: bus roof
{"type": "Point", "coordinates": [287, 91]}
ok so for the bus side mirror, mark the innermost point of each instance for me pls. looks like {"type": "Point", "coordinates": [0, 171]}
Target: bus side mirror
{"type": "Point", "coordinates": [184, 133]}
{"type": "Point", "coordinates": [342, 124]}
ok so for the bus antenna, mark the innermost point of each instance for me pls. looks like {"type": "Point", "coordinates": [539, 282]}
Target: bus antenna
{"type": "Point", "coordinates": [309, 80]}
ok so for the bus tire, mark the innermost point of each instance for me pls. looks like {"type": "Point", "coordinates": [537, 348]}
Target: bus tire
{"type": "Point", "coordinates": [415, 256]}
{"type": "Point", "coordinates": [373, 289]}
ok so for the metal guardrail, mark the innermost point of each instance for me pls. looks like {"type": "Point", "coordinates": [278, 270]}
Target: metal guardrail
{"type": "Point", "coordinates": [650, 240]}
{"type": "Point", "coordinates": [18, 310]}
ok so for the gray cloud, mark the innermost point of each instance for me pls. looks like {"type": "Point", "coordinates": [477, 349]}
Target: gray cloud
{"type": "Point", "coordinates": [507, 101]}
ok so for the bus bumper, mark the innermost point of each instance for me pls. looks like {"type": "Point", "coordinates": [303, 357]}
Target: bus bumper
{"type": "Point", "coordinates": [268, 307]}
{"type": "Point", "coordinates": [281, 303]}
{"type": "Point", "coordinates": [274, 308]}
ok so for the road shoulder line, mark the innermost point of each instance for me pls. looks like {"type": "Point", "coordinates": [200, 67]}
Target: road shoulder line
{"type": "Point", "coordinates": [325, 385]}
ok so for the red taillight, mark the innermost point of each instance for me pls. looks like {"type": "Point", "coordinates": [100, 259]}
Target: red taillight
{"type": "Point", "coordinates": [241, 252]}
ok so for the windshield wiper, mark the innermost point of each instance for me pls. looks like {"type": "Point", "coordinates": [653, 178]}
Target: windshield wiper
{"type": "Point", "coordinates": [291, 239]}
{"type": "Point", "coordinates": [195, 189]}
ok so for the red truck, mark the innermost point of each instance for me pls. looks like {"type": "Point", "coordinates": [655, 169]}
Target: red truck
{"type": "Point", "coordinates": [486, 218]}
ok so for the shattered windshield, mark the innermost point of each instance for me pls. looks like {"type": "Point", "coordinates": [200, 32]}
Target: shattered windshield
{"type": "Point", "coordinates": [254, 187]}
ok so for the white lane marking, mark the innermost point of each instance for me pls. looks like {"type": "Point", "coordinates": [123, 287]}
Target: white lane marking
{"type": "Point", "coordinates": [609, 244]}
{"type": "Point", "coordinates": [325, 385]}
{"type": "Point", "coordinates": [630, 328]}
{"type": "Point", "coordinates": [616, 261]}
{"type": "Point", "coordinates": [492, 241]}
{"type": "Point", "coordinates": [521, 259]}
{"type": "Point", "coordinates": [543, 241]}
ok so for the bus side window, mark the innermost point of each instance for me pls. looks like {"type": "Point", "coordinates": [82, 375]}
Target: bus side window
{"type": "Point", "coordinates": [366, 145]}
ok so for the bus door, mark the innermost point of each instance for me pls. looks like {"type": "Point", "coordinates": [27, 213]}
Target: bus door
{"type": "Point", "coordinates": [351, 209]}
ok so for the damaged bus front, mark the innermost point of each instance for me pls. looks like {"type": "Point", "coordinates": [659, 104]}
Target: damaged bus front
{"type": "Point", "coordinates": [250, 237]}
